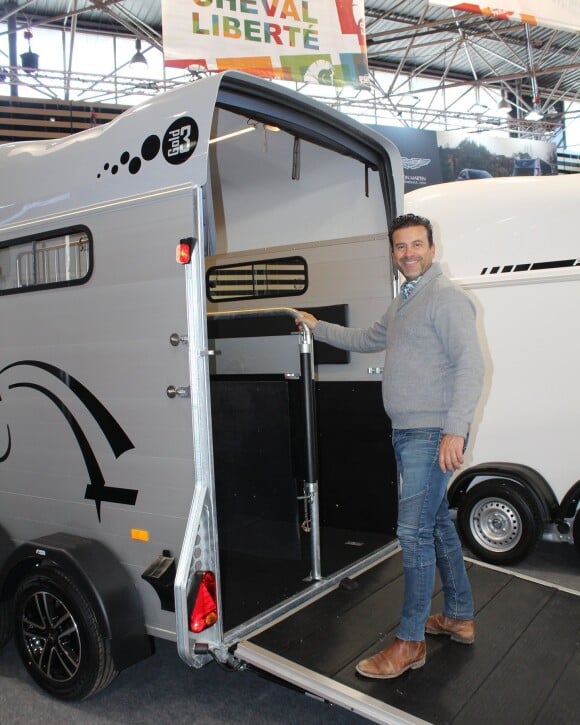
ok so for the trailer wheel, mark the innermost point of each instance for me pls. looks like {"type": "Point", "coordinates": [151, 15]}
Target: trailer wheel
{"type": "Point", "coordinates": [498, 522]}
{"type": "Point", "coordinates": [576, 530]}
{"type": "Point", "coordinates": [58, 637]}
{"type": "Point", "coordinates": [6, 628]}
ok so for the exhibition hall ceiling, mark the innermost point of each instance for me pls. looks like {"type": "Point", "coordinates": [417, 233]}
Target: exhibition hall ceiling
{"type": "Point", "coordinates": [422, 46]}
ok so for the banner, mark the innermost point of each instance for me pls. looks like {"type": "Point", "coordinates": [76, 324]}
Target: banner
{"type": "Point", "coordinates": [561, 14]}
{"type": "Point", "coordinates": [419, 154]}
{"type": "Point", "coordinates": [317, 41]}
{"type": "Point", "coordinates": [478, 156]}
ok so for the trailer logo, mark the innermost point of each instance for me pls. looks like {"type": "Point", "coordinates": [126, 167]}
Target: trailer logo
{"type": "Point", "coordinates": [180, 140]}
{"type": "Point", "coordinates": [97, 490]}
{"type": "Point", "coordinates": [179, 143]}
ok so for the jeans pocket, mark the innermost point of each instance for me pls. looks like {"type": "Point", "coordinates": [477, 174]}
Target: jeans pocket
{"type": "Point", "coordinates": [402, 436]}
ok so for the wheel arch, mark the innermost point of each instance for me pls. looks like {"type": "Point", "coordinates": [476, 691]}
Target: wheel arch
{"type": "Point", "coordinates": [6, 549]}
{"type": "Point", "coordinates": [519, 475]}
{"type": "Point", "coordinates": [102, 578]}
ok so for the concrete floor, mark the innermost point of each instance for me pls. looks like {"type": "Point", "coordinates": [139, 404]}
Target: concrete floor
{"type": "Point", "coordinates": [557, 564]}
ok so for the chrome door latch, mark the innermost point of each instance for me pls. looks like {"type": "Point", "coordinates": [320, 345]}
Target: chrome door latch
{"type": "Point", "coordinates": [176, 339]}
{"type": "Point", "coordinates": [178, 392]}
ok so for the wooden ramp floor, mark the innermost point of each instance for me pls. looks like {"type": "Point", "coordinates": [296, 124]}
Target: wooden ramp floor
{"type": "Point", "coordinates": [523, 668]}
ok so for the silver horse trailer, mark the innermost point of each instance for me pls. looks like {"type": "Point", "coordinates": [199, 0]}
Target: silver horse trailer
{"type": "Point", "coordinates": [168, 466]}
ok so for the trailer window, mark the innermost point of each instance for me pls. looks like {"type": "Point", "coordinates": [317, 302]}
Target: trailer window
{"type": "Point", "coordinates": [57, 259]}
{"type": "Point", "coordinates": [284, 277]}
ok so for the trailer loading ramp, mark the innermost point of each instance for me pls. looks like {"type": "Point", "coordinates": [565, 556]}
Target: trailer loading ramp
{"type": "Point", "coordinates": [523, 668]}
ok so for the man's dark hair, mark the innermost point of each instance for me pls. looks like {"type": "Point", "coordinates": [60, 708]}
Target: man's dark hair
{"type": "Point", "coordinates": [410, 220]}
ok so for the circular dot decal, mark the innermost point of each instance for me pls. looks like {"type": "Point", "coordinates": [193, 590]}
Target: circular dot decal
{"type": "Point", "coordinates": [135, 165]}
{"type": "Point", "coordinates": [150, 147]}
{"type": "Point", "coordinates": [125, 156]}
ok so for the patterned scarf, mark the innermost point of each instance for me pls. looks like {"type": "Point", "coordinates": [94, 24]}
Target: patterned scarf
{"type": "Point", "coordinates": [408, 287]}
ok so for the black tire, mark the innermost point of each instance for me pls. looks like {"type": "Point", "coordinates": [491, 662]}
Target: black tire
{"type": "Point", "coordinates": [6, 628]}
{"type": "Point", "coordinates": [576, 530]}
{"type": "Point", "coordinates": [499, 521]}
{"type": "Point", "coordinates": [58, 637]}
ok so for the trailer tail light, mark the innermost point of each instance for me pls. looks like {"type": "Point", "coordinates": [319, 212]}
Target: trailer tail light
{"type": "Point", "coordinates": [204, 612]}
{"type": "Point", "coordinates": [183, 251]}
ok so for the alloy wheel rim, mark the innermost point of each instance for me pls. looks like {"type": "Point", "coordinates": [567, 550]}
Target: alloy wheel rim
{"type": "Point", "coordinates": [51, 637]}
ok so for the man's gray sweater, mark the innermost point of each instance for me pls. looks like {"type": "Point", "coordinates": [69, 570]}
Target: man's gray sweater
{"type": "Point", "coordinates": [433, 363]}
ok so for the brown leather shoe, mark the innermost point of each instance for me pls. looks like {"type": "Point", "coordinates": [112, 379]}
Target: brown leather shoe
{"type": "Point", "coordinates": [391, 662]}
{"type": "Point", "coordinates": [460, 630]}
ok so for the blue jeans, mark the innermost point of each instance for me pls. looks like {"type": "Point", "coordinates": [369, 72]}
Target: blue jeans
{"type": "Point", "coordinates": [427, 534]}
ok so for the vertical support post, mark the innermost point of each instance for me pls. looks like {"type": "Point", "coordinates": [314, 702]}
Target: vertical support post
{"type": "Point", "coordinates": [12, 8]}
{"type": "Point", "coordinates": [311, 482]}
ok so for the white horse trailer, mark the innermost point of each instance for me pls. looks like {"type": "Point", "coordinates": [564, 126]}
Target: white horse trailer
{"type": "Point", "coordinates": [512, 244]}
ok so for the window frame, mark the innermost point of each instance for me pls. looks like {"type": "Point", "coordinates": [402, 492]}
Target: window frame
{"type": "Point", "coordinates": [42, 237]}
{"type": "Point", "coordinates": [295, 258]}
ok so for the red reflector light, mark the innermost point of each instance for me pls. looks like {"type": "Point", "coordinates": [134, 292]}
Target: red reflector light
{"type": "Point", "coordinates": [183, 253]}
{"type": "Point", "coordinates": [204, 612]}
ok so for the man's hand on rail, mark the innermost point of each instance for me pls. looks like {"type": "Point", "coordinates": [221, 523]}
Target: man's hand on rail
{"type": "Point", "coordinates": [305, 318]}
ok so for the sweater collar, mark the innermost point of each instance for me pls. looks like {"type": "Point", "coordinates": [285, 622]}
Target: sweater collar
{"type": "Point", "coordinates": [433, 271]}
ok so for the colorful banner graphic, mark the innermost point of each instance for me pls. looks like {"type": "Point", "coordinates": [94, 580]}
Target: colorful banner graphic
{"type": "Point", "coordinates": [317, 41]}
{"type": "Point", "coordinates": [561, 14]}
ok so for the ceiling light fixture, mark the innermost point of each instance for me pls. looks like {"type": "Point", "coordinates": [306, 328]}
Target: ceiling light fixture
{"type": "Point", "coordinates": [535, 112]}
{"type": "Point", "coordinates": [504, 107]}
{"type": "Point", "coordinates": [138, 59]}
{"type": "Point", "coordinates": [534, 115]}
{"type": "Point", "coordinates": [29, 59]}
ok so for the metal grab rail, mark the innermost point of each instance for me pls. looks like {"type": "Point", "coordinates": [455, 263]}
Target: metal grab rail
{"type": "Point", "coordinates": [307, 384]}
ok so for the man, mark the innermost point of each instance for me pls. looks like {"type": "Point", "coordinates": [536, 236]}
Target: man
{"type": "Point", "coordinates": [431, 384]}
